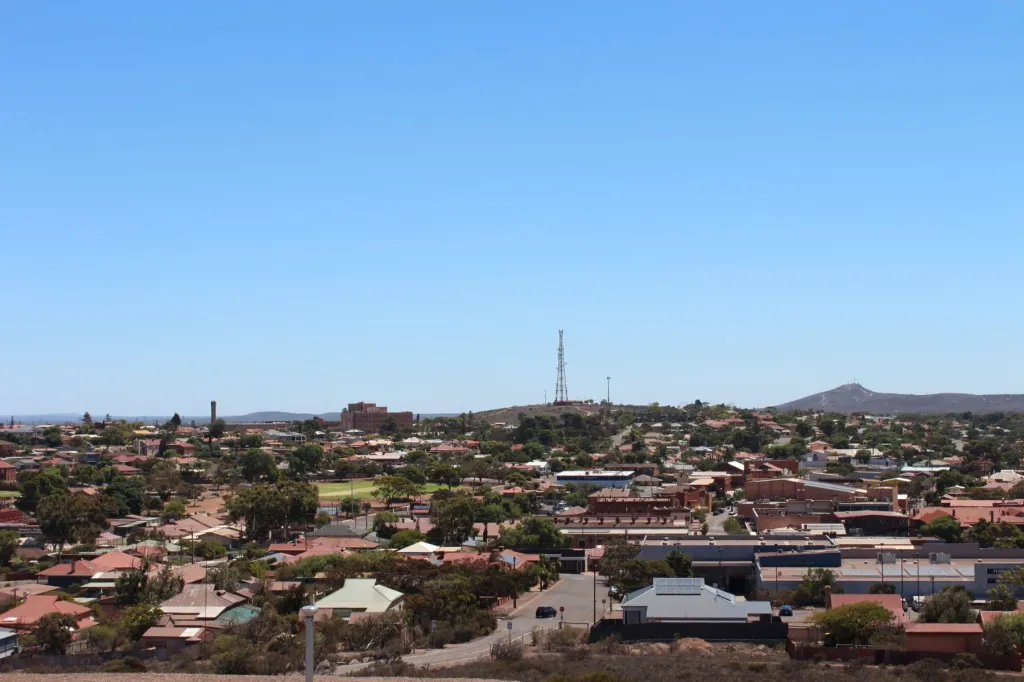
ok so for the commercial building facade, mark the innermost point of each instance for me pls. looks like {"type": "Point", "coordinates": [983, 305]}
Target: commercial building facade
{"type": "Point", "coordinates": [370, 417]}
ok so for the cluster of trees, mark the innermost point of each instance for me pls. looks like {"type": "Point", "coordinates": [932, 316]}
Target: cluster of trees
{"type": "Point", "coordinates": [456, 596]}
{"type": "Point", "coordinates": [625, 573]}
{"type": "Point", "coordinates": [273, 508]}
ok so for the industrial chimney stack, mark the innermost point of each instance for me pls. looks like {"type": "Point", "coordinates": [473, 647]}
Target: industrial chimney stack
{"type": "Point", "coordinates": [213, 411]}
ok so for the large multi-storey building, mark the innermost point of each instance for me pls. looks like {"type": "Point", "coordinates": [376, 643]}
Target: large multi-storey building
{"type": "Point", "coordinates": [370, 417]}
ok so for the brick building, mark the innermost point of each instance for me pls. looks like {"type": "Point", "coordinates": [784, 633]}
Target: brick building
{"type": "Point", "coordinates": [370, 417]}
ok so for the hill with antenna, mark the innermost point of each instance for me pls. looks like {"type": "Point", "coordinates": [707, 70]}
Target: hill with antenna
{"type": "Point", "coordinates": [856, 398]}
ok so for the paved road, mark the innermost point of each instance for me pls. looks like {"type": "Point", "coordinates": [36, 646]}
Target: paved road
{"type": "Point", "coordinates": [574, 592]}
{"type": "Point", "coordinates": [619, 437]}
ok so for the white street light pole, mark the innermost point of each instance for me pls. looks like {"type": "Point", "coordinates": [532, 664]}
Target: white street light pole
{"type": "Point", "coordinates": [309, 612]}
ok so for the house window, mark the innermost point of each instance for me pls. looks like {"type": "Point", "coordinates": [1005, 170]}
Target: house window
{"type": "Point", "coordinates": [344, 613]}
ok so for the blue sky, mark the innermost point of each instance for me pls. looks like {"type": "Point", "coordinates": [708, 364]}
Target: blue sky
{"type": "Point", "coordinates": [295, 206]}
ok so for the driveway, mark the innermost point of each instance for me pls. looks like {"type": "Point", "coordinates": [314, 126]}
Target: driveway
{"type": "Point", "coordinates": [574, 592]}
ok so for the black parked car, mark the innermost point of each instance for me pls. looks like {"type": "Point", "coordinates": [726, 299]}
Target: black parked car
{"type": "Point", "coordinates": [546, 612]}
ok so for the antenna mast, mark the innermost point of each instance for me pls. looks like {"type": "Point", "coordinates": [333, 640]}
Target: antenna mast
{"type": "Point", "coordinates": [561, 391]}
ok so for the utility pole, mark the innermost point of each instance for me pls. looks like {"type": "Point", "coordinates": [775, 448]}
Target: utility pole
{"type": "Point", "coordinates": [308, 613]}
{"type": "Point", "coordinates": [609, 399]}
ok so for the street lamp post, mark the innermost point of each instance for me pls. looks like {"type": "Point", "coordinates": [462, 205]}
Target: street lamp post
{"type": "Point", "coordinates": [917, 561]}
{"type": "Point", "coordinates": [308, 613]}
{"type": "Point", "coordinates": [609, 399]}
{"type": "Point", "coordinates": [903, 592]}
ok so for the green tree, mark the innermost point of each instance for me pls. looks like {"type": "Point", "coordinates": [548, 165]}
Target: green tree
{"type": "Point", "coordinates": [52, 437]}
{"type": "Point", "coordinates": [164, 478]}
{"type": "Point", "coordinates": [443, 473]}
{"type": "Point", "coordinates": [10, 540]}
{"type": "Point", "coordinates": [811, 590]}
{"type": "Point", "coordinates": [116, 434]}
{"type": "Point", "coordinates": [101, 638]}
{"type": "Point", "coordinates": [404, 538]}
{"type": "Point", "coordinates": [249, 441]}
{"type": "Point", "coordinates": [1005, 634]}
{"type": "Point", "coordinates": [392, 488]}
{"type": "Point", "coordinates": [37, 485]}
{"type": "Point", "coordinates": [945, 527]}
{"type": "Point", "coordinates": [135, 620]}
{"type": "Point", "coordinates": [176, 420]}
{"type": "Point", "coordinates": [453, 519]}
{"type": "Point", "coordinates": [681, 564]}
{"type": "Point", "coordinates": [637, 573]}
{"type": "Point", "coordinates": [256, 464]}
{"type": "Point", "coordinates": [854, 623]}
{"type": "Point", "coordinates": [173, 510]}
{"type": "Point", "coordinates": [533, 533]}
{"type": "Point", "coordinates": [216, 429]}
{"type": "Point", "coordinates": [732, 526]}
{"type": "Point", "coordinates": [267, 508]}
{"type": "Point", "coordinates": [127, 495]}
{"type": "Point", "coordinates": [64, 518]}
{"type": "Point", "coordinates": [87, 421]}
{"type": "Point", "coordinates": [384, 524]}
{"type": "Point", "coordinates": [305, 460]}
{"type": "Point", "coordinates": [1003, 596]}
{"type": "Point", "coordinates": [54, 631]}
{"type": "Point", "coordinates": [951, 605]}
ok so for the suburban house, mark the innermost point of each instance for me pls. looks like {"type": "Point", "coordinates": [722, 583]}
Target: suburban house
{"type": "Point", "coordinates": [360, 595]}
{"type": "Point", "coordinates": [8, 472]}
{"type": "Point", "coordinates": [682, 600]}
{"type": "Point", "coordinates": [172, 639]}
{"type": "Point", "coordinates": [419, 550]}
{"type": "Point", "coordinates": [200, 605]}
{"type": "Point", "coordinates": [27, 614]}
{"type": "Point", "coordinates": [147, 447]}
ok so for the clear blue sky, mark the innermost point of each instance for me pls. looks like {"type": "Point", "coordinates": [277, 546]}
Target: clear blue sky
{"type": "Point", "coordinates": [298, 205]}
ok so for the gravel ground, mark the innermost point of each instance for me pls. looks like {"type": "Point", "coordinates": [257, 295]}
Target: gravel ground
{"type": "Point", "coordinates": [170, 677]}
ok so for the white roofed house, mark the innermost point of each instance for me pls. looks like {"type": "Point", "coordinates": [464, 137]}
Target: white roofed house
{"type": "Point", "coordinates": [360, 595]}
{"type": "Point", "coordinates": [685, 600]}
{"type": "Point", "coordinates": [419, 549]}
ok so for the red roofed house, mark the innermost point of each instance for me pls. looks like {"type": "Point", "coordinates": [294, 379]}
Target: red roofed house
{"type": "Point", "coordinates": [65, 575]}
{"type": "Point", "coordinates": [322, 545]}
{"type": "Point", "coordinates": [28, 613]}
{"type": "Point", "coordinates": [952, 637]}
{"type": "Point", "coordinates": [147, 448]}
{"type": "Point", "coordinates": [8, 473]}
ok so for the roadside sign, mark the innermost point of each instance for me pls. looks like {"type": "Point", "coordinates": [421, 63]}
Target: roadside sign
{"type": "Point", "coordinates": [508, 625]}
{"type": "Point", "coordinates": [433, 625]}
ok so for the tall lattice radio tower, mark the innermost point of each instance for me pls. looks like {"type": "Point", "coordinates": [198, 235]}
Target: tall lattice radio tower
{"type": "Point", "coordinates": [561, 391]}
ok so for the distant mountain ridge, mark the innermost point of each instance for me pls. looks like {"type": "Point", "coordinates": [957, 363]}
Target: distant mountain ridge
{"type": "Point", "coordinates": [856, 398]}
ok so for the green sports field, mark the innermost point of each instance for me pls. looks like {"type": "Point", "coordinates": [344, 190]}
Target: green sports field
{"type": "Point", "coordinates": [9, 493]}
{"type": "Point", "coordinates": [359, 489]}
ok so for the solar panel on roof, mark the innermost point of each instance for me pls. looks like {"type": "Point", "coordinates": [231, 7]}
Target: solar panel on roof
{"type": "Point", "coordinates": [890, 570]}
{"type": "Point", "coordinates": [859, 572]}
{"type": "Point", "coordinates": [678, 585]}
{"type": "Point", "coordinates": [966, 572]}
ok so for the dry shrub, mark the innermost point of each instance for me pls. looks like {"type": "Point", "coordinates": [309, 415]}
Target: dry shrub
{"type": "Point", "coordinates": [564, 638]}
{"type": "Point", "coordinates": [507, 651]}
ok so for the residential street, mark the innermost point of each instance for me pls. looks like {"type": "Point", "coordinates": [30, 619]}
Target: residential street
{"type": "Point", "coordinates": [574, 592]}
